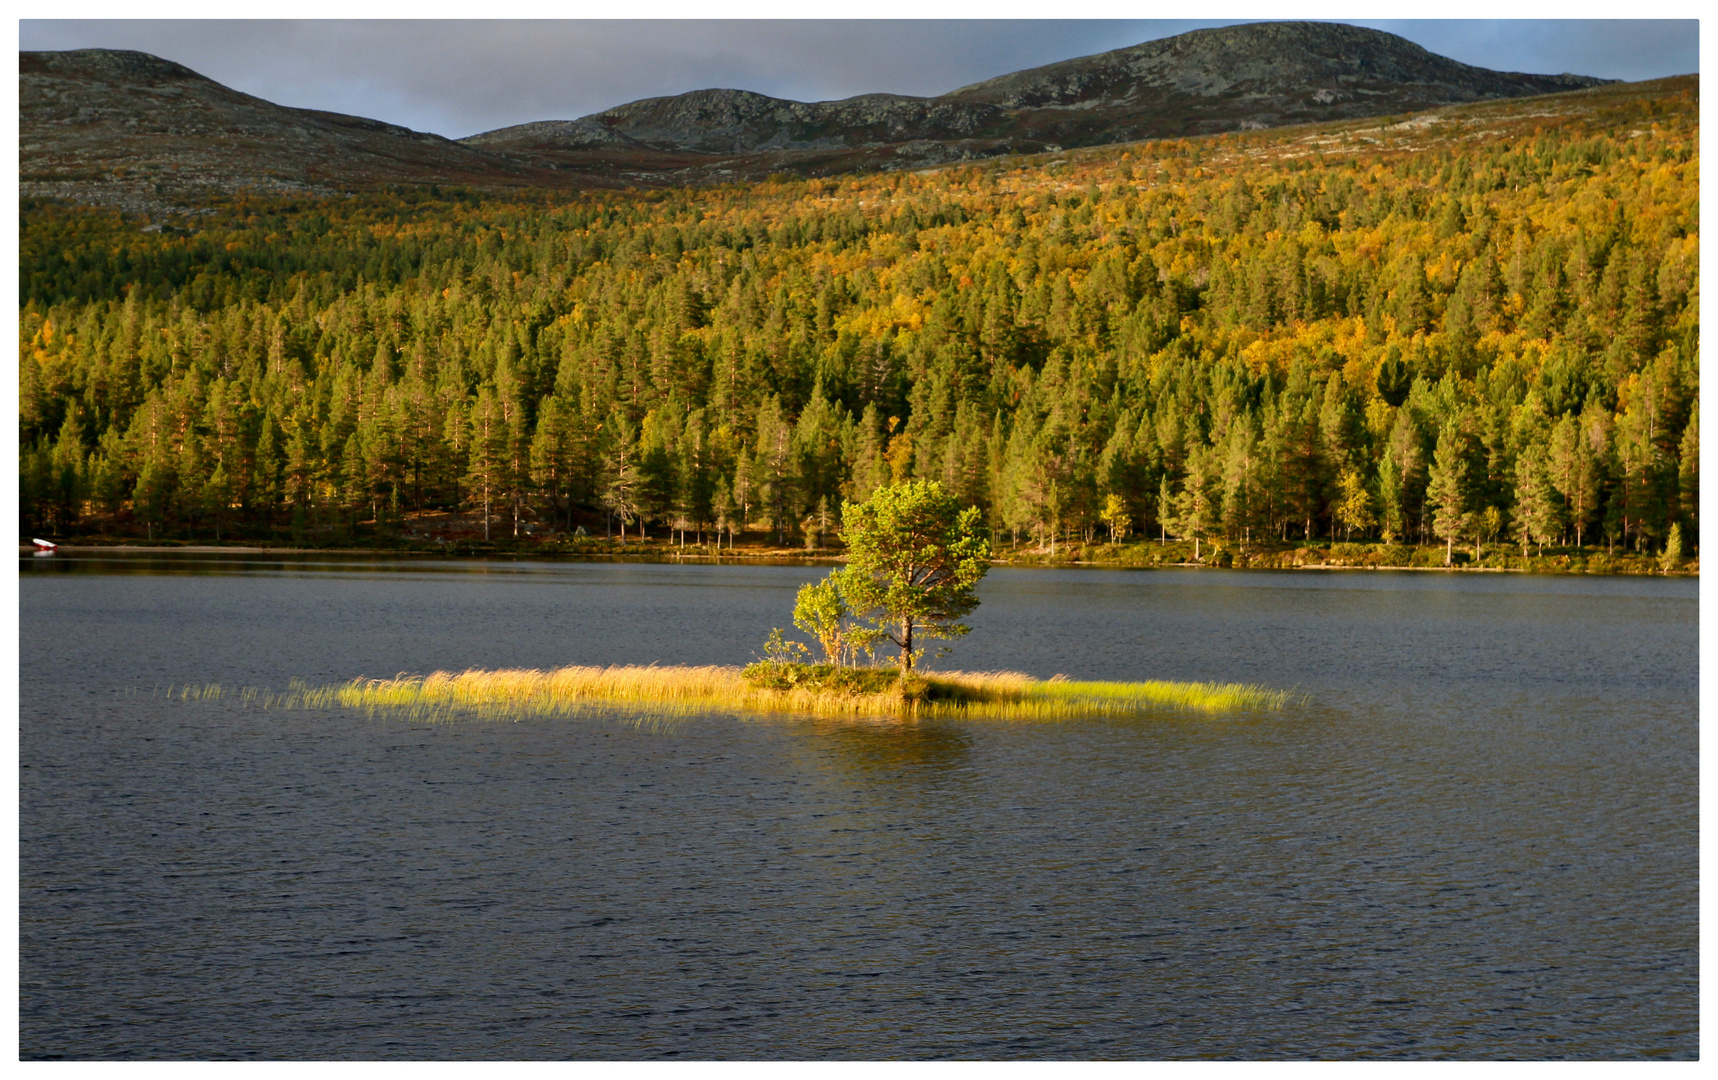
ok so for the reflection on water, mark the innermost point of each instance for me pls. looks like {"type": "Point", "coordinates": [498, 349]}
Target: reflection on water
{"type": "Point", "coordinates": [1477, 840]}
{"type": "Point", "coordinates": [204, 563]}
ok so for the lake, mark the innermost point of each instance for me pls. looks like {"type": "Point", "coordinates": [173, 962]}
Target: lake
{"type": "Point", "coordinates": [1475, 838]}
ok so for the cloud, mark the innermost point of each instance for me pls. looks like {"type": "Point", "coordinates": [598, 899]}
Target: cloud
{"type": "Point", "coordinates": [1628, 49]}
{"type": "Point", "coordinates": [458, 78]}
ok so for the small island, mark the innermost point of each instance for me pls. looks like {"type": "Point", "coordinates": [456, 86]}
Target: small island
{"type": "Point", "coordinates": [915, 558]}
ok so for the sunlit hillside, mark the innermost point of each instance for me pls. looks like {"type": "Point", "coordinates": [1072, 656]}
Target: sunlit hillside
{"type": "Point", "coordinates": [1478, 324]}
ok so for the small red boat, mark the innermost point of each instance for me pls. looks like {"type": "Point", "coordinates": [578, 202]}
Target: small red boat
{"type": "Point", "coordinates": [45, 545]}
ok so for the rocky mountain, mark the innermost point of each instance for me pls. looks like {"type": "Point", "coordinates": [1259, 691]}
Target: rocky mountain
{"type": "Point", "coordinates": [1205, 81]}
{"type": "Point", "coordinates": [741, 122]}
{"type": "Point", "coordinates": [1283, 72]}
{"type": "Point", "coordinates": [115, 126]}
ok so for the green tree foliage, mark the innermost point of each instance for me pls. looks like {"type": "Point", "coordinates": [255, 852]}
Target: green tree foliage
{"type": "Point", "coordinates": [1538, 518]}
{"type": "Point", "coordinates": [1116, 516]}
{"type": "Point", "coordinates": [1451, 489]}
{"type": "Point", "coordinates": [1672, 555]}
{"type": "Point", "coordinates": [1354, 511]}
{"type": "Point", "coordinates": [1196, 504]}
{"type": "Point", "coordinates": [915, 558]}
{"type": "Point", "coordinates": [821, 610]}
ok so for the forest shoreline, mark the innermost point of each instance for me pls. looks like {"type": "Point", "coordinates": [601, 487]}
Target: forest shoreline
{"type": "Point", "coordinates": [657, 551]}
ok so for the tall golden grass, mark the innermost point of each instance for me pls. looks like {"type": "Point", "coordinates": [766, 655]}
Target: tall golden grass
{"type": "Point", "coordinates": [683, 691]}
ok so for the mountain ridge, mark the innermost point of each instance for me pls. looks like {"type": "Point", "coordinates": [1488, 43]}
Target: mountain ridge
{"type": "Point", "coordinates": [128, 129]}
{"type": "Point", "coordinates": [1200, 82]}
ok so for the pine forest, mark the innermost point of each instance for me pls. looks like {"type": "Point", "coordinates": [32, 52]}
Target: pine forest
{"type": "Point", "coordinates": [1468, 334]}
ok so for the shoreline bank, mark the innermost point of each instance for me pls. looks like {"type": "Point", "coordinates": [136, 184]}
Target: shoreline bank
{"type": "Point", "coordinates": [1361, 557]}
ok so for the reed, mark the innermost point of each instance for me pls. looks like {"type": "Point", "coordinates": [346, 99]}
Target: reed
{"type": "Point", "coordinates": [668, 692]}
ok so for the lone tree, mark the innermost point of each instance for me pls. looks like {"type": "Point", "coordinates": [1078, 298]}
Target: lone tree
{"type": "Point", "coordinates": [914, 557]}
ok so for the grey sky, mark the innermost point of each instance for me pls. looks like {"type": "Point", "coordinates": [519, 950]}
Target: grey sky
{"type": "Point", "coordinates": [459, 78]}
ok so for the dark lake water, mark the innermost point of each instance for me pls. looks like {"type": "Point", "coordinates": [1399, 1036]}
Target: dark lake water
{"type": "Point", "coordinates": [1477, 839]}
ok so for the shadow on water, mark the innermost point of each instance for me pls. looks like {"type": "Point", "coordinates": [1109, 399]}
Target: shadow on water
{"type": "Point", "coordinates": [890, 749]}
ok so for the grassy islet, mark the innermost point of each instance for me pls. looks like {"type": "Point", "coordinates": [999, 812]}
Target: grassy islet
{"type": "Point", "coordinates": [819, 690]}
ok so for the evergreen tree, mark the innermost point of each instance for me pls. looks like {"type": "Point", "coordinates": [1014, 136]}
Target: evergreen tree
{"type": "Point", "coordinates": [486, 474]}
{"type": "Point", "coordinates": [1538, 518]}
{"type": "Point", "coordinates": [1450, 487]}
{"type": "Point", "coordinates": [1197, 502]}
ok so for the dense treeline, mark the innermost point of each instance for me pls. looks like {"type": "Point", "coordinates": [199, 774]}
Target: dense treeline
{"type": "Point", "coordinates": [1490, 338]}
